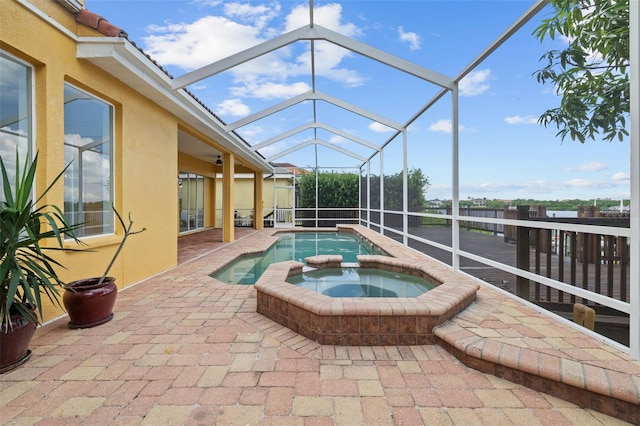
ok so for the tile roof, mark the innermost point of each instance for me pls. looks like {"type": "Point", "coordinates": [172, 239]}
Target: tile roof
{"type": "Point", "coordinates": [98, 23]}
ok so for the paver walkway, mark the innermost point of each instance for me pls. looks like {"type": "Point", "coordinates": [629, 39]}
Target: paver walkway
{"type": "Point", "coordinates": [186, 349]}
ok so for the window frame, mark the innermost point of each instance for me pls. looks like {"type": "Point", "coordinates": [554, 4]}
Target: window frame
{"type": "Point", "coordinates": [112, 164]}
{"type": "Point", "coordinates": [31, 99]}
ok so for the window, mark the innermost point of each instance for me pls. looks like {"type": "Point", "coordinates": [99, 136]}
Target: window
{"type": "Point", "coordinates": [16, 113]}
{"type": "Point", "coordinates": [88, 148]}
{"type": "Point", "coordinates": [191, 201]}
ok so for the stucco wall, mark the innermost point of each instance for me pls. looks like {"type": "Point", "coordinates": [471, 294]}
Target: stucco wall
{"type": "Point", "coordinates": [146, 158]}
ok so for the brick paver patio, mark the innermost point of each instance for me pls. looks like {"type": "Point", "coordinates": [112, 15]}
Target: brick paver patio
{"type": "Point", "coordinates": [186, 349]}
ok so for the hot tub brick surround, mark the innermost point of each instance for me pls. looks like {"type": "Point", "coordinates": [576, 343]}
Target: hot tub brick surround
{"type": "Point", "coordinates": [360, 321]}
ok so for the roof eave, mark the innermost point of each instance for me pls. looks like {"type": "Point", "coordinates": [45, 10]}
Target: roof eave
{"type": "Point", "coordinates": [120, 58]}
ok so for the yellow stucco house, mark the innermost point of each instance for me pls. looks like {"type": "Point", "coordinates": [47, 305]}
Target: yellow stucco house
{"type": "Point", "coordinates": [75, 89]}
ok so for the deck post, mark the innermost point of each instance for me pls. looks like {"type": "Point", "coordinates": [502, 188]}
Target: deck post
{"type": "Point", "coordinates": [522, 253]}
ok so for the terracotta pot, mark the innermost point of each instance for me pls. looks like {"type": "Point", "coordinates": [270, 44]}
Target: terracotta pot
{"type": "Point", "coordinates": [14, 343]}
{"type": "Point", "coordinates": [88, 303]}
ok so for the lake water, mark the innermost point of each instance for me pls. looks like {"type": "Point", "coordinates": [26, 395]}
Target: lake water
{"type": "Point", "coordinates": [562, 213]}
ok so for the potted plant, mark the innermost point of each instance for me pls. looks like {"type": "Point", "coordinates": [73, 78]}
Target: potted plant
{"type": "Point", "coordinates": [89, 302]}
{"type": "Point", "coordinates": [26, 270]}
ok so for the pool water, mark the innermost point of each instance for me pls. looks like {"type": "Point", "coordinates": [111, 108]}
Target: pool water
{"type": "Point", "coordinates": [361, 282]}
{"type": "Point", "coordinates": [294, 246]}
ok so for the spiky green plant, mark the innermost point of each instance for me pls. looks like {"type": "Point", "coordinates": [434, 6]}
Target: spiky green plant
{"type": "Point", "coordinates": [26, 270]}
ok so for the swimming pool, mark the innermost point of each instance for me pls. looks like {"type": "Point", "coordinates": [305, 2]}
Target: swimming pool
{"type": "Point", "coordinates": [361, 282]}
{"type": "Point", "coordinates": [295, 246]}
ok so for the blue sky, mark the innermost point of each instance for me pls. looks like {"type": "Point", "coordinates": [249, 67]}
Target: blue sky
{"type": "Point", "coordinates": [504, 153]}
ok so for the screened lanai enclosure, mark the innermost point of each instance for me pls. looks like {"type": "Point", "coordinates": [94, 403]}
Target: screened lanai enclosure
{"type": "Point", "coordinates": [420, 168]}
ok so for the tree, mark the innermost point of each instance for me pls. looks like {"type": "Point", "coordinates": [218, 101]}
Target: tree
{"type": "Point", "coordinates": [334, 189]}
{"type": "Point", "coordinates": [591, 74]}
{"type": "Point", "coordinates": [417, 185]}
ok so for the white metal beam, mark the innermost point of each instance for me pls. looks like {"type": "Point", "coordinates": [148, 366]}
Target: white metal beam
{"type": "Point", "coordinates": [311, 125]}
{"type": "Point", "coordinates": [322, 33]}
{"type": "Point", "coordinates": [315, 32]}
{"type": "Point", "coordinates": [309, 96]}
{"type": "Point", "coordinates": [316, 142]}
{"type": "Point", "coordinates": [268, 111]}
{"type": "Point", "coordinates": [347, 135]}
{"type": "Point", "coordinates": [360, 111]}
{"type": "Point", "coordinates": [455, 180]}
{"type": "Point", "coordinates": [340, 149]}
{"type": "Point", "coordinates": [634, 272]}
{"type": "Point", "coordinates": [513, 28]}
{"type": "Point", "coordinates": [232, 61]}
{"type": "Point", "coordinates": [281, 136]}
{"type": "Point", "coordinates": [290, 150]}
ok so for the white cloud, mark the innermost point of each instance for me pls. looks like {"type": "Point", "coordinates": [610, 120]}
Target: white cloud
{"type": "Point", "coordinates": [621, 177]}
{"type": "Point", "coordinates": [273, 149]}
{"type": "Point", "coordinates": [233, 107]}
{"type": "Point", "coordinates": [379, 127]}
{"type": "Point", "coordinates": [211, 38]}
{"type": "Point", "coordinates": [328, 56]}
{"type": "Point", "coordinates": [580, 183]}
{"type": "Point", "coordinates": [410, 37]}
{"type": "Point", "coordinates": [593, 167]}
{"type": "Point", "coordinates": [444, 126]}
{"type": "Point", "coordinates": [253, 133]}
{"type": "Point", "coordinates": [193, 45]}
{"type": "Point", "coordinates": [593, 184]}
{"type": "Point", "coordinates": [207, 2]}
{"type": "Point", "coordinates": [516, 119]}
{"type": "Point", "coordinates": [536, 186]}
{"type": "Point", "coordinates": [337, 139]}
{"type": "Point", "coordinates": [475, 83]}
{"type": "Point", "coordinates": [613, 187]}
{"type": "Point", "coordinates": [258, 16]}
{"type": "Point", "coordinates": [269, 90]}
{"type": "Point", "coordinates": [96, 172]}
{"type": "Point", "coordinates": [328, 16]}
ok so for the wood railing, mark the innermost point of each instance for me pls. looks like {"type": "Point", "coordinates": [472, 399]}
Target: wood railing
{"type": "Point", "coordinates": [591, 261]}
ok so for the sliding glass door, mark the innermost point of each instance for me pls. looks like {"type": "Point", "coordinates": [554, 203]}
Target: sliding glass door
{"type": "Point", "coordinates": [190, 201]}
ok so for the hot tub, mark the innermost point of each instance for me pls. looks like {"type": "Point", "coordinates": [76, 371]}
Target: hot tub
{"type": "Point", "coordinates": [361, 282]}
{"type": "Point", "coordinates": [364, 321]}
